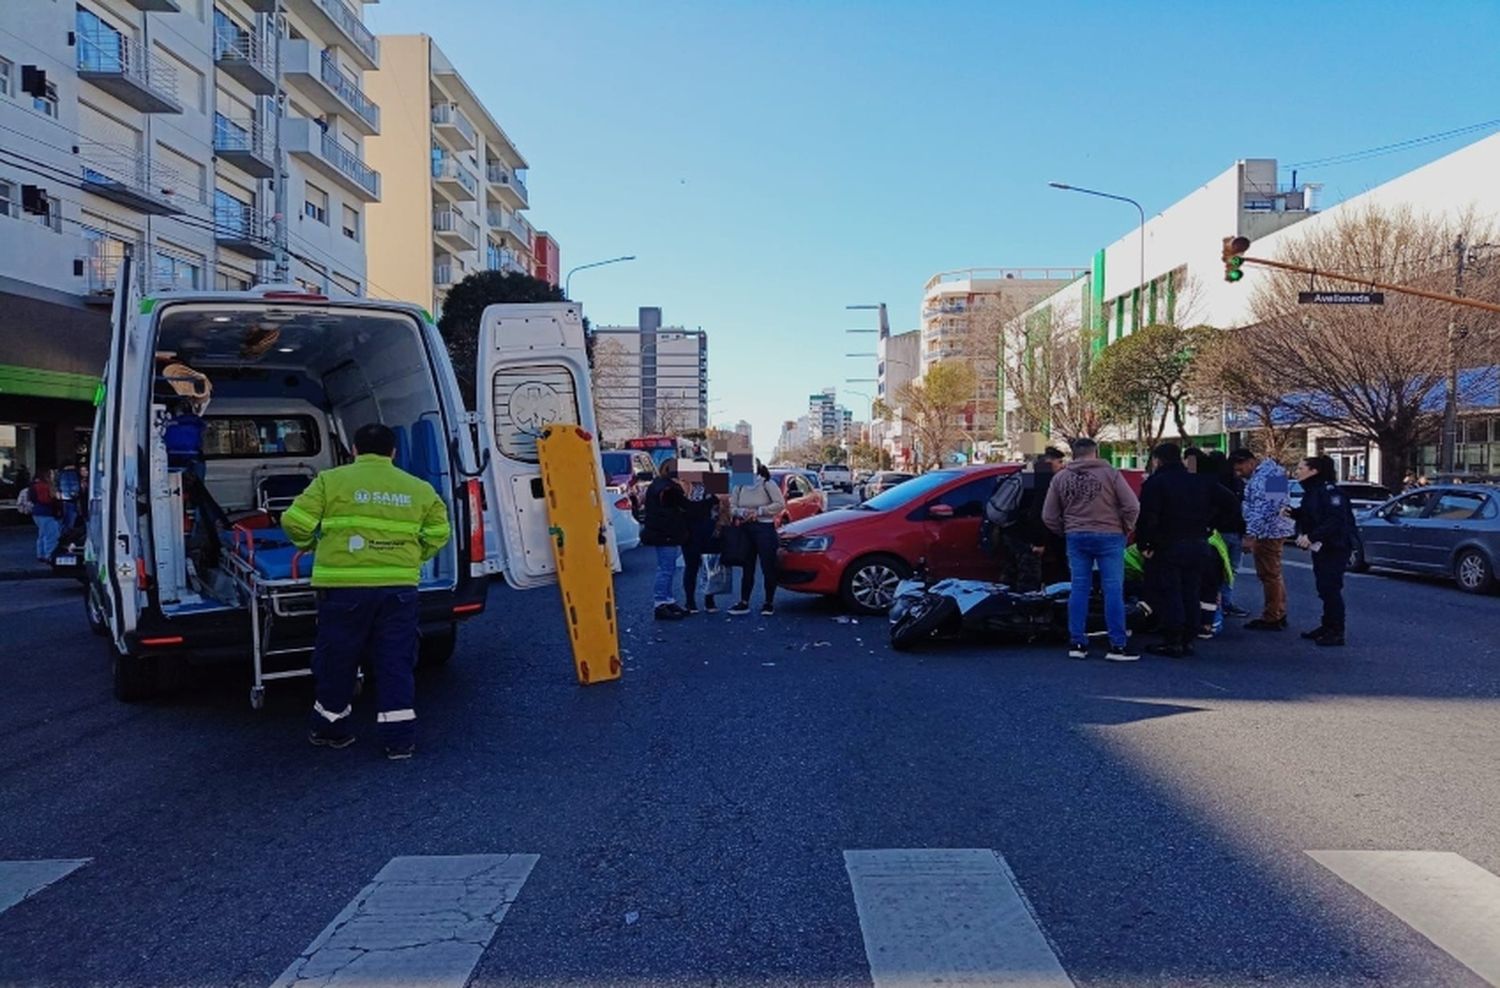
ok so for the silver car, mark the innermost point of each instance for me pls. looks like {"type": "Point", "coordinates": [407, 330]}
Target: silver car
{"type": "Point", "coordinates": [1448, 530]}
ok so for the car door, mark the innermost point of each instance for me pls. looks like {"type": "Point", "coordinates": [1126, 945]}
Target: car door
{"type": "Point", "coordinates": [1386, 537]}
{"type": "Point", "coordinates": [798, 495]}
{"type": "Point", "coordinates": [1451, 517]}
{"type": "Point", "coordinates": [532, 372]}
{"type": "Point", "coordinates": [953, 539]}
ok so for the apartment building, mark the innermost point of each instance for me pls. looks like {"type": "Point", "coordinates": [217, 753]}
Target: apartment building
{"type": "Point", "coordinates": [546, 259]}
{"type": "Point", "coordinates": [456, 185]}
{"type": "Point", "coordinates": [828, 419]}
{"type": "Point", "coordinates": [650, 378]}
{"type": "Point", "coordinates": [155, 129]}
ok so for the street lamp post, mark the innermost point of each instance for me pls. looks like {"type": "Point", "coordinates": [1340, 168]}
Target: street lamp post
{"type": "Point", "coordinates": [1110, 195]}
{"type": "Point", "coordinates": [567, 281]}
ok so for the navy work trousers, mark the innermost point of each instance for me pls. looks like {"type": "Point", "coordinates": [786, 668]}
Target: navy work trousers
{"type": "Point", "coordinates": [1328, 575]}
{"type": "Point", "coordinates": [376, 626]}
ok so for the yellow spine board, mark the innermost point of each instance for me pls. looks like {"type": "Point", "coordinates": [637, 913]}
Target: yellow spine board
{"type": "Point", "coordinates": [580, 546]}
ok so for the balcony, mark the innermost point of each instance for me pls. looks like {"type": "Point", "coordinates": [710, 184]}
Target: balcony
{"type": "Point", "coordinates": [130, 178]}
{"type": "Point", "coordinates": [101, 269]}
{"type": "Point", "coordinates": [455, 231]}
{"type": "Point", "coordinates": [245, 145]}
{"type": "Point", "coordinates": [453, 127]}
{"type": "Point", "coordinates": [243, 229]}
{"type": "Point", "coordinates": [305, 140]}
{"type": "Point", "coordinates": [247, 58]}
{"type": "Point", "coordinates": [446, 273]}
{"type": "Point", "coordinates": [123, 68]}
{"type": "Point", "coordinates": [156, 6]}
{"type": "Point", "coordinates": [507, 185]}
{"type": "Point", "coordinates": [510, 226]}
{"type": "Point", "coordinates": [455, 181]}
{"type": "Point", "coordinates": [317, 74]}
{"type": "Point", "coordinates": [337, 19]}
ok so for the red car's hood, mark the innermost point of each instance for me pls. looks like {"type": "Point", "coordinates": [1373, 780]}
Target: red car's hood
{"type": "Point", "coordinates": [830, 522]}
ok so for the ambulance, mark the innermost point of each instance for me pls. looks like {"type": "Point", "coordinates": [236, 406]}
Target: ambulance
{"type": "Point", "coordinates": [185, 560]}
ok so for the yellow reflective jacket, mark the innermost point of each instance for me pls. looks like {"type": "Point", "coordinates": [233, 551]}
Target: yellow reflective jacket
{"type": "Point", "coordinates": [373, 524]}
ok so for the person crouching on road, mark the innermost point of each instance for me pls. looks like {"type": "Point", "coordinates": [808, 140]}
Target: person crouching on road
{"type": "Point", "coordinates": [1090, 505]}
{"type": "Point", "coordinates": [1325, 526]}
{"type": "Point", "coordinates": [373, 525]}
{"type": "Point", "coordinates": [757, 505]}
{"type": "Point", "coordinates": [665, 526]}
{"type": "Point", "coordinates": [1266, 528]}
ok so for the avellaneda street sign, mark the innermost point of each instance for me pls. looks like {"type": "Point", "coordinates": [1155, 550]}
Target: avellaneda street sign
{"type": "Point", "coordinates": [1341, 298]}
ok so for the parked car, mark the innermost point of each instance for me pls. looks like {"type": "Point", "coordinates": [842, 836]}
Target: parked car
{"type": "Point", "coordinates": [1450, 530]}
{"type": "Point", "coordinates": [836, 476]}
{"type": "Point", "coordinates": [1362, 494]}
{"type": "Point", "coordinates": [861, 553]}
{"type": "Point", "coordinates": [883, 481]}
{"type": "Point", "coordinates": [629, 470]}
{"type": "Point", "coordinates": [803, 496]}
{"type": "Point", "coordinates": [622, 519]}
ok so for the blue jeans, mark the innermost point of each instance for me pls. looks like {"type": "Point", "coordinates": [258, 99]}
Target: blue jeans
{"type": "Point", "coordinates": [666, 569]}
{"type": "Point", "coordinates": [1084, 550]}
{"type": "Point", "coordinates": [1232, 541]}
{"type": "Point", "coordinates": [48, 529]}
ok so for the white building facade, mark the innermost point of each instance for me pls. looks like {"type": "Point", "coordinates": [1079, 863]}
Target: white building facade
{"type": "Point", "coordinates": [650, 378]}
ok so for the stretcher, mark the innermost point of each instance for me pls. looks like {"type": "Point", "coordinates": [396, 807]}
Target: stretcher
{"type": "Point", "coordinates": [274, 581]}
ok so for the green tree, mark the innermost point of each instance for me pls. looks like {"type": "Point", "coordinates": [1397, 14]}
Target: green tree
{"type": "Point", "coordinates": [466, 301]}
{"type": "Point", "coordinates": [934, 405]}
{"type": "Point", "coordinates": [1145, 378]}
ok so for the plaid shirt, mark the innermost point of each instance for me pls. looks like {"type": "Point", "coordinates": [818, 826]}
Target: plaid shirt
{"type": "Point", "coordinates": [1265, 496]}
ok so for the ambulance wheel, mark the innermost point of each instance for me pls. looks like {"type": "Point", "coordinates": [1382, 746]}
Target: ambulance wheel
{"type": "Point", "coordinates": [134, 676]}
{"type": "Point", "coordinates": [436, 648]}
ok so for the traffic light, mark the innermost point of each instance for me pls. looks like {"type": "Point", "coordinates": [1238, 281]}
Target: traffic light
{"type": "Point", "coordinates": [1234, 249]}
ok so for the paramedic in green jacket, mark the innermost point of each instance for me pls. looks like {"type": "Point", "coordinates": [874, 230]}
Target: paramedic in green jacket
{"type": "Point", "coordinates": [373, 526]}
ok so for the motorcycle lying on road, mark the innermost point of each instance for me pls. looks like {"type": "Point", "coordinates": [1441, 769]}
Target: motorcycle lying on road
{"type": "Point", "coordinates": [952, 607]}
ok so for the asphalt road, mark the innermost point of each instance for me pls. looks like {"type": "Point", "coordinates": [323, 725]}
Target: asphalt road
{"type": "Point", "coordinates": [690, 823]}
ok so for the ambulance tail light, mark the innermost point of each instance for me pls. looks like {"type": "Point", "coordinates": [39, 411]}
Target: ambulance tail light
{"type": "Point", "coordinates": [476, 520]}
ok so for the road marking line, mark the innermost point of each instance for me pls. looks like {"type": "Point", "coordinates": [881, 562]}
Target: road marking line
{"type": "Point", "coordinates": [1447, 898]}
{"type": "Point", "coordinates": [422, 920]}
{"type": "Point", "coordinates": [948, 916]}
{"type": "Point", "coordinates": [20, 880]}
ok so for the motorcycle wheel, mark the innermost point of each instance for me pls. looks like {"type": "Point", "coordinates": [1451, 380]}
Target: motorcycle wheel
{"type": "Point", "coordinates": [924, 618]}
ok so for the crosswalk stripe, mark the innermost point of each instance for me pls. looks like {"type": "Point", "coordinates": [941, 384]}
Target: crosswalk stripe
{"type": "Point", "coordinates": [20, 880]}
{"type": "Point", "coordinates": [422, 920]}
{"type": "Point", "coordinates": [950, 916]}
{"type": "Point", "coordinates": [1447, 898]}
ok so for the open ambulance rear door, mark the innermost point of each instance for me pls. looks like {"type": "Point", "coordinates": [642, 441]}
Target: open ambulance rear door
{"type": "Point", "coordinates": [532, 370]}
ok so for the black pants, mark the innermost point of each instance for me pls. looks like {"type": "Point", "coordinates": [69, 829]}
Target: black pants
{"type": "Point", "coordinates": [1328, 574]}
{"type": "Point", "coordinates": [1023, 567]}
{"type": "Point", "coordinates": [378, 624]}
{"type": "Point", "coordinates": [1173, 573]}
{"type": "Point", "coordinates": [763, 535]}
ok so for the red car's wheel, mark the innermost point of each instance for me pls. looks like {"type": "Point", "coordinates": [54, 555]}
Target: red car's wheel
{"type": "Point", "coordinates": [869, 584]}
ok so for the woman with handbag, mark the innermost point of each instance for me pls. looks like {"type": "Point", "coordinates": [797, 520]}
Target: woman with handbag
{"type": "Point", "coordinates": [708, 516]}
{"type": "Point", "coordinates": [757, 505]}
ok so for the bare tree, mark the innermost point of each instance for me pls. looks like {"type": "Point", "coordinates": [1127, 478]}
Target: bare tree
{"type": "Point", "coordinates": [1046, 357]}
{"type": "Point", "coordinates": [1224, 373]}
{"type": "Point", "coordinates": [675, 412]}
{"type": "Point", "coordinates": [614, 377]}
{"type": "Point", "coordinates": [1372, 371]}
{"type": "Point", "coordinates": [934, 405]}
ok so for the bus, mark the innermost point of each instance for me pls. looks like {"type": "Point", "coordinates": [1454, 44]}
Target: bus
{"type": "Point", "coordinates": [663, 448]}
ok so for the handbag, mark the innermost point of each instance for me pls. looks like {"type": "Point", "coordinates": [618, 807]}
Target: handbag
{"type": "Point", "coordinates": [717, 579]}
{"type": "Point", "coordinates": [738, 548]}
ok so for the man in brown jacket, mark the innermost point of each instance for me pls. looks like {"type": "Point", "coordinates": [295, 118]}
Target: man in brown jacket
{"type": "Point", "coordinates": [1092, 507]}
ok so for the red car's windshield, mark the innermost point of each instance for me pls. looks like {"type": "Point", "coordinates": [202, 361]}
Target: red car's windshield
{"type": "Point", "coordinates": [911, 490]}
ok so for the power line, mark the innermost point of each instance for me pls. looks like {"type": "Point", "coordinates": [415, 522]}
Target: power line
{"type": "Point", "coordinates": [1352, 156]}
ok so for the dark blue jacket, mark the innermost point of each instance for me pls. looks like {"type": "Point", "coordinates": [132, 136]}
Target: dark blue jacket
{"type": "Point", "coordinates": [1326, 516]}
{"type": "Point", "coordinates": [666, 514]}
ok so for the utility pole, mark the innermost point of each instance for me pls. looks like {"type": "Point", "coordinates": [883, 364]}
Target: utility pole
{"type": "Point", "coordinates": [283, 261]}
{"type": "Point", "coordinates": [1450, 407]}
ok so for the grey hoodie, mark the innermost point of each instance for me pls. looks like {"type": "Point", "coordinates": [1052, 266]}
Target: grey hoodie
{"type": "Point", "coordinates": [1090, 496]}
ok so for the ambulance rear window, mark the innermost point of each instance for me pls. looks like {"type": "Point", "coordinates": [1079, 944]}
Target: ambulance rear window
{"type": "Point", "coordinates": [260, 435]}
{"type": "Point", "coordinates": [526, 400]}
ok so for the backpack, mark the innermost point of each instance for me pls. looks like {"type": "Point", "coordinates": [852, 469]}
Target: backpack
{"type": "Point", "coordinates": [23, 500]}
{"type": "Point", "coordinates": [1001, 511]}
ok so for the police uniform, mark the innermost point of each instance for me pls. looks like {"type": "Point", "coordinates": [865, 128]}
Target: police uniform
{"type": "Point", "coordinates": [1327, 519]}
{"type": "Point", "coordinates": [373, 526]}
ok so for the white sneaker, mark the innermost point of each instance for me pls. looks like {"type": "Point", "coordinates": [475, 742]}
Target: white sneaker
{"type": "Point", "coordinates": [1077, 651]}
{"type": "Point", "coordinates": [1121, 653]}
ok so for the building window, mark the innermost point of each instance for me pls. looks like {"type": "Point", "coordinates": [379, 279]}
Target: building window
{"type": "Point", "coordinates": [46, 103]}
{"type": "Point", "coordinates": [316, 205]}
{"type": "Point", "coordinates": [4, 77]}
{"type": "Point", "coordinates": [7, 199]}
{"type": "Point", "coordinates": [229, 280]}
{"type": "Point", "coordinates": [351, 223]}
{"type": "Point", "coordinates": [177, 272]}
{"type": "Point", "coordinates": [41, 208]}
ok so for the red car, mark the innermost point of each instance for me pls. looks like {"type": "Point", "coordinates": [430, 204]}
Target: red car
{"type": "Point", "coordinates": [803, 497]}
{"type": "Point", "coordinates": [862, 553]}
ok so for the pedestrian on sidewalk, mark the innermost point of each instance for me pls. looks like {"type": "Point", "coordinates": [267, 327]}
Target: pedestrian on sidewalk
{"type": "Point", "coordinates": [1325, 527]}
{"type": "Point", "coordinates": [46, 514]}
{"type": "Point", "coordinates": [1176, 514]}
{"type": "Point", "coordinates": [665, 526]}
{"type": "Point", "coordinates": [1091, 507]}
{"type": "Point", "coordinates": [1267, 491]}
{"type": "Point", "coordinates": [757, 505]}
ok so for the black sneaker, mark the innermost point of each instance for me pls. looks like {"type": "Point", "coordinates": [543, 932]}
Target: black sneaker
{"type": "Point", "coordinates": [1334, 638]}
{"type": "Point", "coordinates": [400, 752]}
{"type": "Point", "coordinates": [708, 605]}
{"type": "Point", "coordinates": [1235, 611]}
{"type": "Point", "coordinates": [669, 612]}
{"type": "Point", "coordinates": [330, 740]}
{"type": "Point", "coordinates": [1169, 649]}
{"type": "Point", "coordinates": [1315, 634]}
{"type": "Point", "coordinates": [1078, 650]}
{"type": "Point", "coordinates": [1261, 624]}
{"type": "Point", "coordinates": [1121, 653]}
{"type": "Point", "coordinates": [766, 610]}
{"type": "Point", "coordinates": [743, 607]}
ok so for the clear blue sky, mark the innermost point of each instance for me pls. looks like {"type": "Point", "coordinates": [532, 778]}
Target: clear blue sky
{"type": "Point", "coordinates": [771, 161]}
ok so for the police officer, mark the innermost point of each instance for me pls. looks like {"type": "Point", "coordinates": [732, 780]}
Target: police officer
{"type": "Point", "coordinates": [373, 525]}
{"type": "Point", "coordinates": [1325, 525]}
